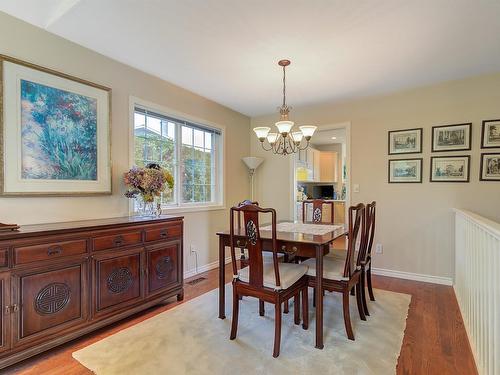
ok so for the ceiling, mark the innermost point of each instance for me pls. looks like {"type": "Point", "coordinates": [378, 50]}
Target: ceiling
{"type": "Point", "coordinates": [328, 137]}
{"type": "Point", "coordinates": [227, 50]}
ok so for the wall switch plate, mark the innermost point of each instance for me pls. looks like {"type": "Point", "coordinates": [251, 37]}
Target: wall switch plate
{"type": "Point", "coordinates": [192, 248]}
{"type": "Point", "coordinates": [379, 249]}
{"type": "Point", "coordinates": [355, 188]}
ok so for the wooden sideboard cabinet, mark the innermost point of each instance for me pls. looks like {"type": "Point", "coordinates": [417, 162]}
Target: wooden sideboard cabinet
{"type": "Point", "coordinates": [59, 281]}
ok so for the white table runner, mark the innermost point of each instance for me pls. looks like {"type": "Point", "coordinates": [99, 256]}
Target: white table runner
{"type": "Point", "coordinates": [315, 229]}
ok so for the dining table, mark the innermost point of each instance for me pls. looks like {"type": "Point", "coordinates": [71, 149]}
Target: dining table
{"type": "Point", "coordinates": [294, 240]}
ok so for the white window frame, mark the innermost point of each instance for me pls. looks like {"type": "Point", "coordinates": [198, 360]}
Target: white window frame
{"type": "Point", "coordinates": [219, 190]}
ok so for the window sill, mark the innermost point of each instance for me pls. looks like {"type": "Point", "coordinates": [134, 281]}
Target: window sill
{"type": "Point", "coordinates": [187, 209]}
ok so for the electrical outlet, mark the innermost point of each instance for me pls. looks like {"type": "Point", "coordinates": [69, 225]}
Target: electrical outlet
{"type": "Point", "coordinates": [379, 249]}
{"type": "Point", "coordinates": [355, 188]}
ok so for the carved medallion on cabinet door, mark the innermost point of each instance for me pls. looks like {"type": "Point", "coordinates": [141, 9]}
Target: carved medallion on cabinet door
{"type": "Point", "coordinates": [118, 280]}
{"type": "Point", "coordinates": [50, 299]}
{"type": "Point", "coordinates": [163, 266]}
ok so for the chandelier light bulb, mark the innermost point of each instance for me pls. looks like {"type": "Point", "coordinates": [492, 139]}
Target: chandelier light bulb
{"type": "Point", "coordinates": [284, 127]}
{"type": "Point", "coordinates": [262, 132]}
{"type": "Point", "coordinates": [272, 137]}
{"type": "Point", "coordinates": [297, 137]}
{"type": "Point", "coordinates": [308, 131]}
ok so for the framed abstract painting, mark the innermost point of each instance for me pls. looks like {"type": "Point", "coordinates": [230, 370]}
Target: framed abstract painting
{"type": "Point", "coordinates": [55, 130]}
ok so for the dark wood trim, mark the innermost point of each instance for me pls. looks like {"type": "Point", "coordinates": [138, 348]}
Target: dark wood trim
{"type": "Point", "coordinates": [448, 157]}
{"type": "Point", "coordinates": [482, 165]}
{"type": "Point", "coordinates": [483, 128]}
{"type": "Point", "coordinates": [405, 182]}
{"type": "Point", "coordinates": [404, 130]}
{"type": "Point", "coordinates": [455, 149]}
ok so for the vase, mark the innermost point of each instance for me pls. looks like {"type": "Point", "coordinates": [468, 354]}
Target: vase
{"type": "Point", "coordinates": [145, 208]}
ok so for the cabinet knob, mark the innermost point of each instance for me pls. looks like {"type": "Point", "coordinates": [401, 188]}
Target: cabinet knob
{"type": "Point", "coordinates": [7, 310]}
{"type": "Point", "coordinates": [163, 233]}
{"type": "Point", "coordinates": [54, 250]}
{"type": "Point", "coordinates": [118, 241]}
{"type": "Point", "coordinates": [15, 307]}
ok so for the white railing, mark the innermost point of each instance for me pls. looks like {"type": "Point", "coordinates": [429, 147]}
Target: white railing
{"type": "Point", "coordinates": [477, 286]}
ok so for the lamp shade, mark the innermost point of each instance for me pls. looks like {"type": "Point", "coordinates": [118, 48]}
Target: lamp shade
{"type": "Point", "coordinates": [262, 132]}
{"type": "Point", "coordinates": [307, 130]}
{"type": "Point", "coordinates": [252, 162]}
{"type": "Point", "coordinates": [284, 126]}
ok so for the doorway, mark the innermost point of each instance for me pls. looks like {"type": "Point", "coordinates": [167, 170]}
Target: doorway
{"type": "Point", "coordinates": [323, 171]}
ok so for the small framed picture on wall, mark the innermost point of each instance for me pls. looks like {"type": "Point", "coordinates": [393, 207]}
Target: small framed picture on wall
{"type": "Point", "coordinates": [490, 134]}
{"type": "Point", "coordinates": [451, 137]}
{"type": "Point", "coordinates": [405, 171]}
{"type": "Point", "coordinates": [450, 168]}
{"type": "Point", "coordinates": [490, 167]}
{"type": "Point", "coordinates": [407, 141]}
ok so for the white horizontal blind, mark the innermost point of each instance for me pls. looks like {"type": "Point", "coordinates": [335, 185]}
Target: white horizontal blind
{"type": "Point", "coordinates": [477, 286]}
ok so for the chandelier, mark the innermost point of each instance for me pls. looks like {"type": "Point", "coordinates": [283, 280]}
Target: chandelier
{"type": "Point", "coordinates": [286, 140]}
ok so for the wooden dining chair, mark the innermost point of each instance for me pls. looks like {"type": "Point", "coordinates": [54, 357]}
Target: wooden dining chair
{"type": "Point", "coordinates": [272, 282]}
{"type": "Point", "coordinates": [364, 258]}
{"type": "Point", "coordinates": [318, 211]}
{"type": "Point", "coordinates": [344, 275]}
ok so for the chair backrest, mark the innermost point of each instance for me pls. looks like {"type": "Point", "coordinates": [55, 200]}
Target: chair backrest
{"type": "Point", "coordinates": [246, 201]}
{"type": "Point", "coordinates": [253, 241]}
{"type": "Point", "coordinates": [318, 206]}
{"type": "Point", "coordinates": [369, 231]}
{"type": "Point", "coordinates": [357, 223]}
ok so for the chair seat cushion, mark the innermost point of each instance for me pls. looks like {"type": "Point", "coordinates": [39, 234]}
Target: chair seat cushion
{"type": "Point", "coordinates": [333, 269]}
{"type": "Point", "coordinates": [289, 274]}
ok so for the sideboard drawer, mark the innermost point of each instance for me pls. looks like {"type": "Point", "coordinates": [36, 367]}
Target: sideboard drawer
{"type": "Point", "coordinates": [117, 239]}
{"type": "Point", "coordinates": [34, 253]}
{"type": "Point", "coordinates": [163, 232]}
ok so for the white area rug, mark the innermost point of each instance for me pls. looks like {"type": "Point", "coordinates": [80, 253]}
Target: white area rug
{"type": "Point", "coordinates": [315, 229]}
{"type": "Point", "coordinates": [190, 339]}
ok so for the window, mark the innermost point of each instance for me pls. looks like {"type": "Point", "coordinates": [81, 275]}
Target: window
{"type": "Point", "coordinates": [191, 152]}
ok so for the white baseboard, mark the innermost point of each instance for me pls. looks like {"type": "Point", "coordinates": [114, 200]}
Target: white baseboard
{"type": "Point", "coordinates": [413, 276]}
{"type": "Point", "coordinates": [206, 267]}
{"type": "Point", "coordinates": [376, 271]}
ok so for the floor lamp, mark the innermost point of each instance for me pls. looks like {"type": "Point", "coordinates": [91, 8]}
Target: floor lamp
{"type": "Point", "coordinates": [252, 163]}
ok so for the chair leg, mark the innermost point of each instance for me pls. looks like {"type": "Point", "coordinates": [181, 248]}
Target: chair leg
{"type": "Point", "coordinates": [236, 308]}
{"type": "Point", "coordinates": [296, 308]}
{"type": "Point", "coordinates": [363, 291]}
{"type": "Point", "coordinates": [305, 308]}
{"type": "Point", "coordinates": [277, 330]}
{"type": "Point", "coordinates": [314, 297]}
{"type": "Point", "coordinates": [286, 308]}
{"type": "Point", "coordinates": [369, 282]}
{"type": "Point", "coordinates": [359, 301]}
{"type": "Point", "coordinates": [347, 316]}
{"type": "Point", "coordinates": [261, 308]}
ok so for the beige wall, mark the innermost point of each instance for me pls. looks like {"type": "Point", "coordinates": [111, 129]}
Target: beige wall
{"type": "Point", "coordinates": [415, 221]}
{"type": "Point", "coordinates": [26, 42]}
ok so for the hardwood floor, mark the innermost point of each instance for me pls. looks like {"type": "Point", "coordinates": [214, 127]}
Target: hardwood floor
{"type": "Point", "coordinates": [435, 340]}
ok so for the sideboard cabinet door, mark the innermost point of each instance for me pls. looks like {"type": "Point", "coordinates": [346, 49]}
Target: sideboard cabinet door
{"type": "Point", "coordinates": [163, 266]}
{"type": "Point", "coordinates": [118, 279]}
{"type": "Point", "coordinates": [5, 312]}
{"type": "Point", "coordinates": [49, 300]}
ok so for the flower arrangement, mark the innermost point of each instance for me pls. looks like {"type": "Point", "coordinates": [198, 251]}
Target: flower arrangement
{"type": "Point", "coordinates": [148, 182]}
